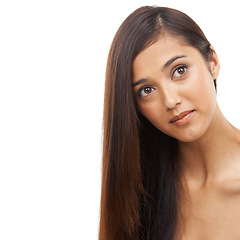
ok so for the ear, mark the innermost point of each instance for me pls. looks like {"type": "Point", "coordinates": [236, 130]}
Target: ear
{"type": "Point", "coordinates": [214, 64]}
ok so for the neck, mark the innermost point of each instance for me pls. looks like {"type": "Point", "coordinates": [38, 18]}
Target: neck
{"type": "Point", "coordinates": [207, 158]}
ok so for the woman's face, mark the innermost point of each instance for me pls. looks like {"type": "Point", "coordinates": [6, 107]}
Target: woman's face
{"type": "Point", "coordinates": [174, 88]}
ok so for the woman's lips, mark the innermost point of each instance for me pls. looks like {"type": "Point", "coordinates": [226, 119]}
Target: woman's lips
{"type": "Point", "coordinates": [183, 118]}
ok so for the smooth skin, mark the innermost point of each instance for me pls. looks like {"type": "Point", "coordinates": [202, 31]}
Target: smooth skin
{"type": "Point", "coordinates": [208, 145]}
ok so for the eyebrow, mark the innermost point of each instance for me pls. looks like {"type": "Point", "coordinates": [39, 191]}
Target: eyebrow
{"type": "Point", "coordinates": [168, 63]}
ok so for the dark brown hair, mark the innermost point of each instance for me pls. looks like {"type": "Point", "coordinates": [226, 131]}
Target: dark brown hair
{"type": "Point", "coordinates": [139, 198]}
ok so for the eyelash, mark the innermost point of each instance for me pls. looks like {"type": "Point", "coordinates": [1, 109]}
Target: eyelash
{"type": "Point", "coordinates": [142, 88]}
{"type": "Point", "coordinates": [178, 67]}
{"type": "Point", "coordinates": [152, 88]}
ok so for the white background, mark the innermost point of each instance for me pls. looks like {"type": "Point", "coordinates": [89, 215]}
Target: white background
{"type": "Point", "coordinates": [52, 65]}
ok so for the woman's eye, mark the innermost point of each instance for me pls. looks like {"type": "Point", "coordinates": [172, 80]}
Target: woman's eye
{"type": "Point", "coordinates": [144, 91]}
{"type": "Point", "coordinates": [180, 71]}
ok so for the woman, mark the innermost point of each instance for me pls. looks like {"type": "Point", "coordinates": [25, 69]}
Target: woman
{"type": "Point", "coordinates": [171, 161]}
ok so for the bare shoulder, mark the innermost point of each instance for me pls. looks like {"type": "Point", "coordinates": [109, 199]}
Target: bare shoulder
{"type": "Point", "coordinates": [230, 181]}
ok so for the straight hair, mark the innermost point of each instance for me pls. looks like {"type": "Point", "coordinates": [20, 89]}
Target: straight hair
{"type": "Point", "coordinates": [140, 195]}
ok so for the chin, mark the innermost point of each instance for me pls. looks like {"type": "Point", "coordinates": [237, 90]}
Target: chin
{"type": "Point", "coordinates": [187, 139]}
{"type": "Point", "coordinates": [190, 136]}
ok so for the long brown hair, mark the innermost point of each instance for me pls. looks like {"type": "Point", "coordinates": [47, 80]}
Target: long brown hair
{"type": "Point", "coordinates": [139, 198]}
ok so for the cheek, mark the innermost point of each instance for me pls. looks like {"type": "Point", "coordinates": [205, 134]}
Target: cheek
{"type": "Point", "coordinates": [206, 94]}
{"type": "Point", "coordinates": [156, 115]}
{"type": "Point", "coordinates": [200, 89]}
{"type": "Point", "coordinates": [150, 109]}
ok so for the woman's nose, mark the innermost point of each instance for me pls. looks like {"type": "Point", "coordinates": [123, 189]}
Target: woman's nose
{"type": "Point", "coordinates": [171, 97]}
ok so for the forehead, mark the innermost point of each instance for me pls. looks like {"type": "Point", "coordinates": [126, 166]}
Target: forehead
{"type": "Point", "coordinates": [160, 52]}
